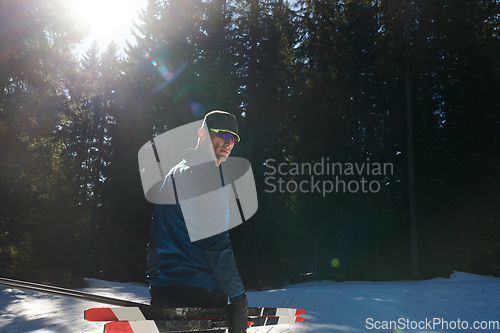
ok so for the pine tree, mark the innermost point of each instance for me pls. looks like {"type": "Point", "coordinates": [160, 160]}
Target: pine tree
{"type": "Point", "coordinates": [36, 38]}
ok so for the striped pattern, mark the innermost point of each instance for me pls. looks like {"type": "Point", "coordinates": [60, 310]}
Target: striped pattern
{"type": "Point", "coordinates": [173, 320]}
{"type": "Point", "coordinates": [143, 326]}
{"type": "Point", "coordinates": [150, 313]}
{"type": "Point", "coordinates": [187, 325]}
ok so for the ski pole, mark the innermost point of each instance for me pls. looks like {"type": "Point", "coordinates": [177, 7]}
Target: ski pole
{"type": "Point", "coordinates": [66, 292]}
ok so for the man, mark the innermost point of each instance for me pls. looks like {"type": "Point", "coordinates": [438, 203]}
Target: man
{"type": "Point", "coordinates": [200, 273]}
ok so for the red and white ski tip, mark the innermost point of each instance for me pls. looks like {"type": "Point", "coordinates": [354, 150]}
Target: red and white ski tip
{"type": "Point", "coordinates": [270, 321]}
{"type": "Point", "coordinates": [144, 326]}
{"type": "Point", "coordinates": [299, 312]}
{"type": "Point", "coordinates": [114, 314]}
{"type": "Point", "coordinates": [286, 320]}
{"type": "Point", "coordinates": [286, 312]}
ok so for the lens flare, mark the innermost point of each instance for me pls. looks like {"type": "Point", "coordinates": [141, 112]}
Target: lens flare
{"type": "Point", "coordinates": [197, 109]}
{"type": "Point", "coordinates": [335, 262]}
{"type": "Point", "coordinates": [167, 75]}
{"type": "Point", "coordinates": [170, 76]}
{"type": "Point", "coordinates": [182, 92]}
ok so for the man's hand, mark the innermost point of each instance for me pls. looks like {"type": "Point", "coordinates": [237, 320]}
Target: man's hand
{"type": "Point", "coordinates": [238, 310]}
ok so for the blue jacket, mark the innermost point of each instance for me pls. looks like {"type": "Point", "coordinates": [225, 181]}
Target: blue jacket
{"type": "Point", "coordinates": [172, 258]}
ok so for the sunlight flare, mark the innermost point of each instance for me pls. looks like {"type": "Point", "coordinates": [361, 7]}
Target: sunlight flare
{"type": "Point", "coordinates": [103, 15]}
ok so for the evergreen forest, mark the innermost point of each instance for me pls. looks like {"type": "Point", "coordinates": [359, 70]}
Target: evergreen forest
{"type": "Point", "coordinates": [372, 128]}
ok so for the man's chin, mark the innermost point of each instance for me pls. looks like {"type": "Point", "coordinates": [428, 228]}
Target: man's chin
{"type": "Point", "coordinates": [222, 158]}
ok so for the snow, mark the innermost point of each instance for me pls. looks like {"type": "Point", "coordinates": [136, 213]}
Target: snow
{"type": "Point", "coordinates": [464, 301]}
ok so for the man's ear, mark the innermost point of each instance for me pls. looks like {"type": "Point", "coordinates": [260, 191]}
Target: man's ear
{"type": "Point", "coordinates": [201, 133]}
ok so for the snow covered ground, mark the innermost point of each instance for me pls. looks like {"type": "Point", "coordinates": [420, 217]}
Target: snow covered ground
{"type": "Point", "coordinates": [464, 301]}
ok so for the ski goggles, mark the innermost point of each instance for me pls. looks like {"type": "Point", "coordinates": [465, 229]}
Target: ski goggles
{"type": "Point", "coordinates": [226, 135]}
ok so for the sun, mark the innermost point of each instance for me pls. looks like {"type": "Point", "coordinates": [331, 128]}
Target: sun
{"type": "Point", "coordinates": [105, 15]}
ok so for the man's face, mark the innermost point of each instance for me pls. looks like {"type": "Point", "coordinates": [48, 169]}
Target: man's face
{"type": "Point", "coordinates": [222, 148]}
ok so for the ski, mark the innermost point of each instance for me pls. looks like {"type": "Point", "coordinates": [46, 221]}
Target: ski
{"type": "Point", "coordinates": [186, 325]}
{"type": "Point", "coordinates": [135, 315]}
{"type": "Point", "coordinates": [153, 313]}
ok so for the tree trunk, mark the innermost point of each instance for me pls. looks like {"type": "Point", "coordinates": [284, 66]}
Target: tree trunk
{"type": "Point", "coordinates": [415, 268]}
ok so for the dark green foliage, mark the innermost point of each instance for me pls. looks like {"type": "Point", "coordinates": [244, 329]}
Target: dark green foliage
{"type": "Point", "coordinates": [307, 80]}
{"type": "Point", "coordinates": [36, 39]}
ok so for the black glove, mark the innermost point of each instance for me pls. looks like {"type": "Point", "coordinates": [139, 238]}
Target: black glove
{"type": "Point", "coordinates": [238, 314]}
